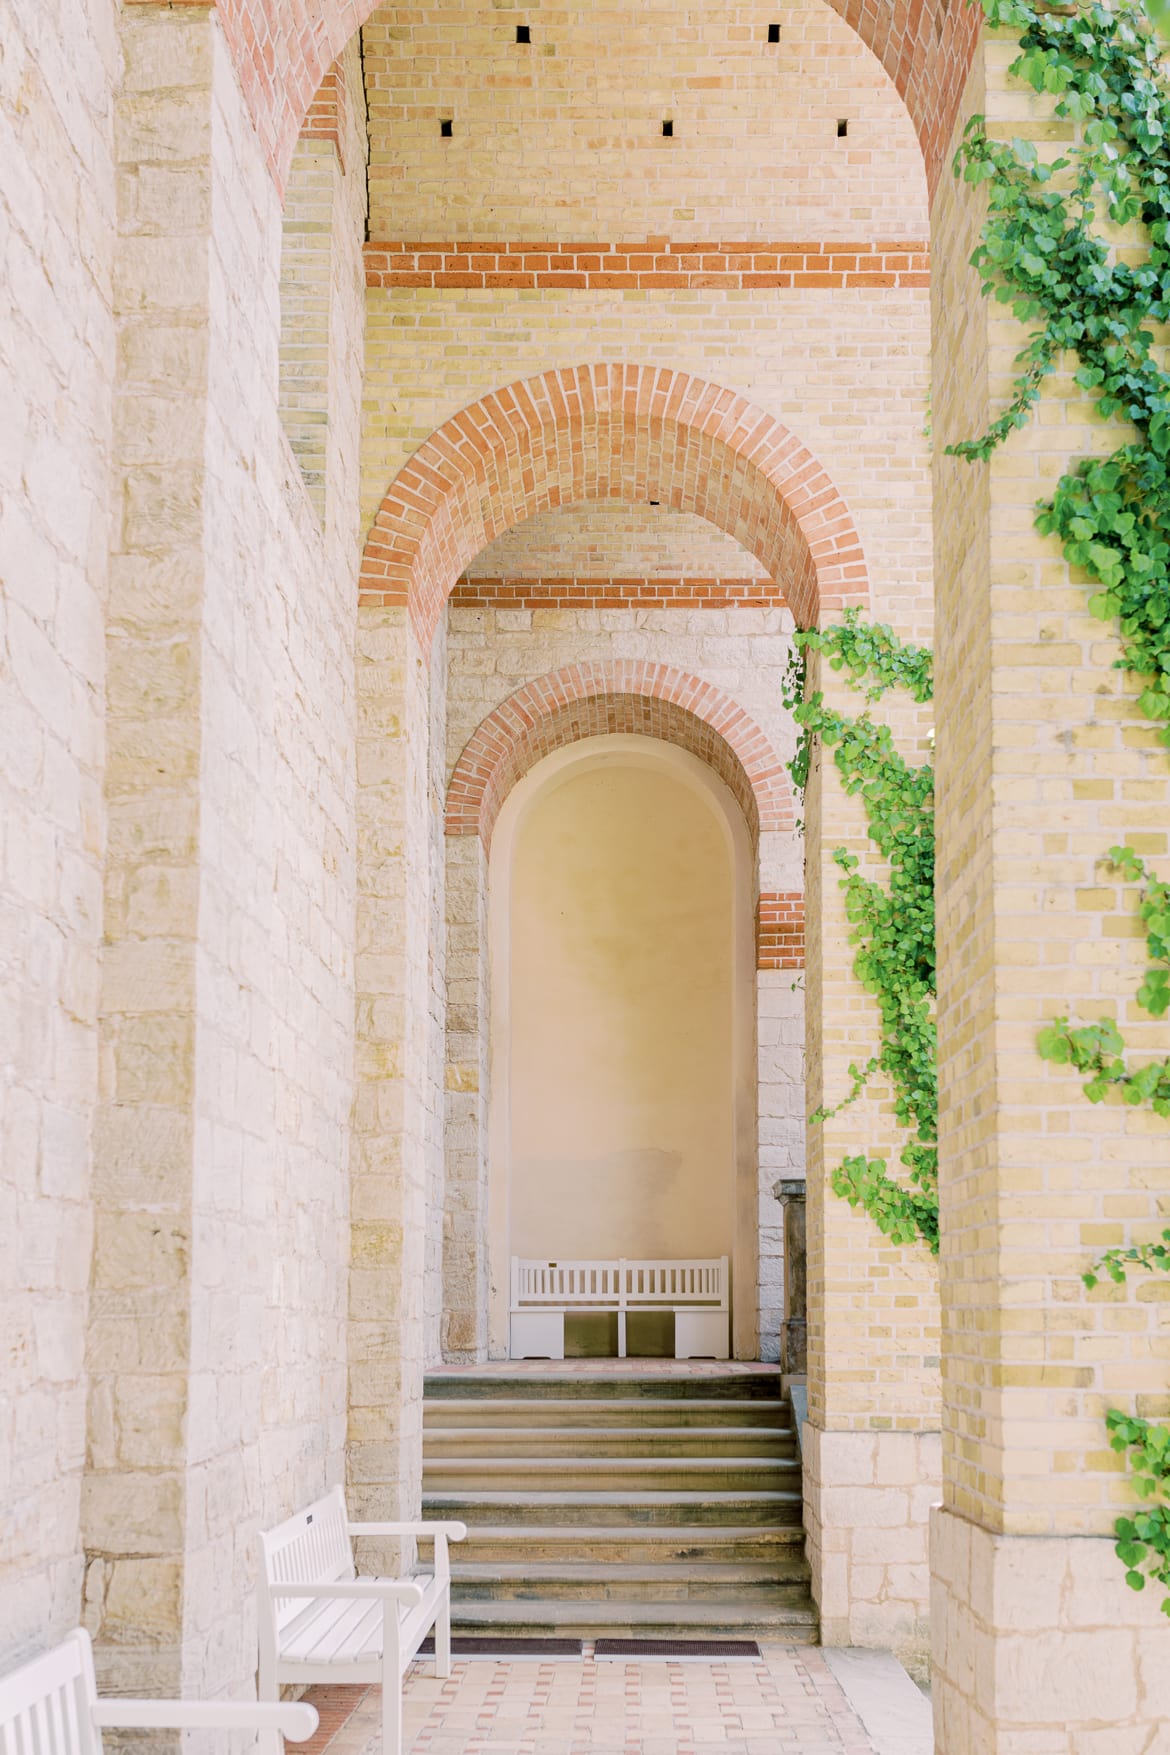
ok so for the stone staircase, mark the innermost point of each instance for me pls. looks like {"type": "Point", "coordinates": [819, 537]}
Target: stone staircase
{"type": "Point", "coordinates": [649, 1506]}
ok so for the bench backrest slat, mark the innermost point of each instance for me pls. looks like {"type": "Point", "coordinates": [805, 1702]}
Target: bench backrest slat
{"type": "Point", "coordinates": [45, 1707]}
{"type": "Point", "coordinates": [311, 1548]}
{"type": "Point", "coordinates": [618, 1284]}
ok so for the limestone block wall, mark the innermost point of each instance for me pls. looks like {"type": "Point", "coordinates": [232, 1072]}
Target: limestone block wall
{"type": "Point", "coordinates": [217, 1335]}
{"type": "Point", "coordinates": [57, 197]}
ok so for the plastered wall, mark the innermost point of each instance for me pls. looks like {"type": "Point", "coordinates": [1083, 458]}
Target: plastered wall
{"type": "Point", "coordinates": [614, 976]}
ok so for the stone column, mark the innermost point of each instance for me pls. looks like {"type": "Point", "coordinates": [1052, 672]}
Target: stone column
{"type": "Point", "coordinates": [1043, 763]}
{"type": "Point", "coordinates": [871, 1465]}
{"type": "Point", "coordinates": [794, 1327]}
{"type": "Point", "coordinates": [390, 1127]}
{"type": "Point", "coordinates": [465, 1228]}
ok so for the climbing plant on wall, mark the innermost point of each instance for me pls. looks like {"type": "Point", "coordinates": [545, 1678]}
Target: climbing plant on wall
{"type": "Point", "coordinates": [1046, 251]}
{"type": "Point", "coordinates": [891, 921]}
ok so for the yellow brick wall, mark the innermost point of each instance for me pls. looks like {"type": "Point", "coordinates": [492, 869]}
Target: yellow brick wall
{"type": "Point", "coordinates": [563, 138]}
{"type": "Point", "coordinates": [1043, 764]}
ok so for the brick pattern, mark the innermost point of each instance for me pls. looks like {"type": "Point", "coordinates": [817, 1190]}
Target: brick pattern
{"type": "Point", "coordinates": [615, 540]}
{"type": "Point", "coordinates": [611, 432]}
{"type": "Point", "coordinates": [648, 593]}
{"type": "Point", "coordinates": [780, 930]}
{"type": "Point", "coordinates": [595, 700]}
{"type": "Point", "coordinates": [283, 48]}
{"type": "Point", "coordinates": [648, 267]}
{"type": "Point", "coordinates": [325, 120]}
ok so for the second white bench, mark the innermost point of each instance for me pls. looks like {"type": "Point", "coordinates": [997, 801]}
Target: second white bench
{"type": "Point", "coordinates": [320, 1622]}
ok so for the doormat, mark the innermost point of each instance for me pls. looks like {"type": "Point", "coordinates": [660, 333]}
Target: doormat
{"type": "Point", "coordinates": [707, 1651]}
{"type": "Point", "coordinates": [486, 1645]}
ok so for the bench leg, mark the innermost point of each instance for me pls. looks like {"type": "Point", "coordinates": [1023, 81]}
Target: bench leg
{"type": "Point", "coordinates": [391, 1682]}
{"type": "Point", "coordinates": [621, 1334]}
{"type": "Point", "coordinates": [443, 1638]}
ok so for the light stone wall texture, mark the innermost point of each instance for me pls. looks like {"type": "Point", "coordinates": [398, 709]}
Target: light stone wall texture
{"type": "Point", "coordinates": [563, 138]}
{"type": "Point", "coordinates": [868, 1497]}
{"type": "Point", "coordinates": [1041, 1648]}
{"type": "Point", "coordinates": [217, 1337]}
{"type": "Point", "coordinates": [613, 539]}
{"type": "Point", "coordinates": [58, 63]}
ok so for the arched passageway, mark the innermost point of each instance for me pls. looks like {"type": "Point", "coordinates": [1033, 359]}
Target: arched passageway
{"type": "Point", "coordinates": [622, 432]}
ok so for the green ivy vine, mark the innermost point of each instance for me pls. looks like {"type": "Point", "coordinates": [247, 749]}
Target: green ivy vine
{"type": "Point", "coordinates": [1143, 1540]}
{"type": "Point", "coordinates": [892, 922]}
{"type": "Point", "coordinates": [1046, 252]}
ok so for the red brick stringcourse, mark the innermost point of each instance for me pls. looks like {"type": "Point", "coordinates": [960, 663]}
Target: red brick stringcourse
{"type": "Point", "coordinates": [643, 434]}
{"type": "Point", "coordinates": [607, 593]}
{"type": "Point", "coordinates": [742, 266]}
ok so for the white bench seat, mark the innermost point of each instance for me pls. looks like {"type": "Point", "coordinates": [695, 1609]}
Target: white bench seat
{"type": "Point", "coordinates": [320, 1622]}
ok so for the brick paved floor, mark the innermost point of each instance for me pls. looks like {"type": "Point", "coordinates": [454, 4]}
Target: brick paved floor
{"type": "Point", "coordinates": [787, 1704]}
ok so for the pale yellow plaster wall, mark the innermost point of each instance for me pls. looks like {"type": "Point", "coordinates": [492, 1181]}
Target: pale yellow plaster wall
{"type": "Point", "coordinates": [619, 1020]}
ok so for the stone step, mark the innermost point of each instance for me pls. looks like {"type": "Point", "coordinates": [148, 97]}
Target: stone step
{"type": "Point", "coordinates": [776, 1506]}
{"type": "Point", "coordinates": [796, 1624]}
{"type": "Point", "coordinates": [573, 1581]}
{"type": "Point", "coordinates": [687, 1384]}
{"type": "Point", "coordinates": [608, 1474]}
{"type": "Point", "coordinates": [444, 1443]}
{"type": "Point", "coordinates": [555, 1411]}
{"type": "Point", "coordinates": [497, 1545]}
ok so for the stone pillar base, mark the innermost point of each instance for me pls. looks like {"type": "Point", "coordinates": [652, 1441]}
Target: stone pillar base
{"type": "Point", "coordinates": [867, 1502]}
{"type": "Point", "coordinates": [1041, 1648]}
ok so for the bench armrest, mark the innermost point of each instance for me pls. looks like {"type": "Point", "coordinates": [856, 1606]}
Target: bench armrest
{"type": "Point", "coordinates": [293, 1719]}
{"type": "Point", "coordinates": [391, 1590]}
{"type": "Point", "coordinates": [454, 1532]}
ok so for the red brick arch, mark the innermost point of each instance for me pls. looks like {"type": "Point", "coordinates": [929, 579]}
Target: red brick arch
{"type": "Point", "coordinates": [636, 433]}
{"type": "Point", "coordinates": [600, 699]}
{"type": "Point", "coordinates": [282, 50]}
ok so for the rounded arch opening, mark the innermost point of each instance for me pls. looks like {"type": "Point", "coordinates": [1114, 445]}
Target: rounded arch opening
{"type": "Point", "coordinates": [595, 699]}
{"type": "Point", "coordinates": [622, 432]}
{"type": "Point", "coordinates": [622, 1111]}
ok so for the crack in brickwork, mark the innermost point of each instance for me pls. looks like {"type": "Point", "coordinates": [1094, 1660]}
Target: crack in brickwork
{"type": "Point", "coordinates": [282, 50]}
{"type": "Point", "coordinates": [636, 433]}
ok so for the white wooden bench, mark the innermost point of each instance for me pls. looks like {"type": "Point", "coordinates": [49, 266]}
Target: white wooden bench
{"type": "Point", "coordinates": [50, 1706]}
{"type": "Point", "coordinates": [320, 1622]}
{"type": "Point", "coordinates": [545, 1292]}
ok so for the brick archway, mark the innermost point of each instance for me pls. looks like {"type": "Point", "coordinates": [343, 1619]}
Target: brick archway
{"type": "Point", "coordinates": [282, 50]}
{"type": "Point", "coordinates": [638, 433]}
{"type": "Point", "coordinates": [592, 700]}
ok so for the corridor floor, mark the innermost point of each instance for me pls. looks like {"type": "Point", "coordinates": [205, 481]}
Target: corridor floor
{"type": "Point", "coordinates": [787, 1704]}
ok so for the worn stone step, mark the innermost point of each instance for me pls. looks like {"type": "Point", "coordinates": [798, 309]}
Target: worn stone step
{"type": "Point", "coordinates": [521, 1543]}
{"type": "Point", "coordinates": [605, 1474]}
{"type": "Point", "coordinates": [581, 1581]}
{"type": "Point", "coordinates": [685, 1385]}
{"type": "Point", "coordinates": [555, 1411]}
{"type": "Point", "coordinates": [782, 1505]}
{"type": "Point", "coordinates": [451, 1442]}
{"type": "Point", "coordinates": [795, 1623]}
